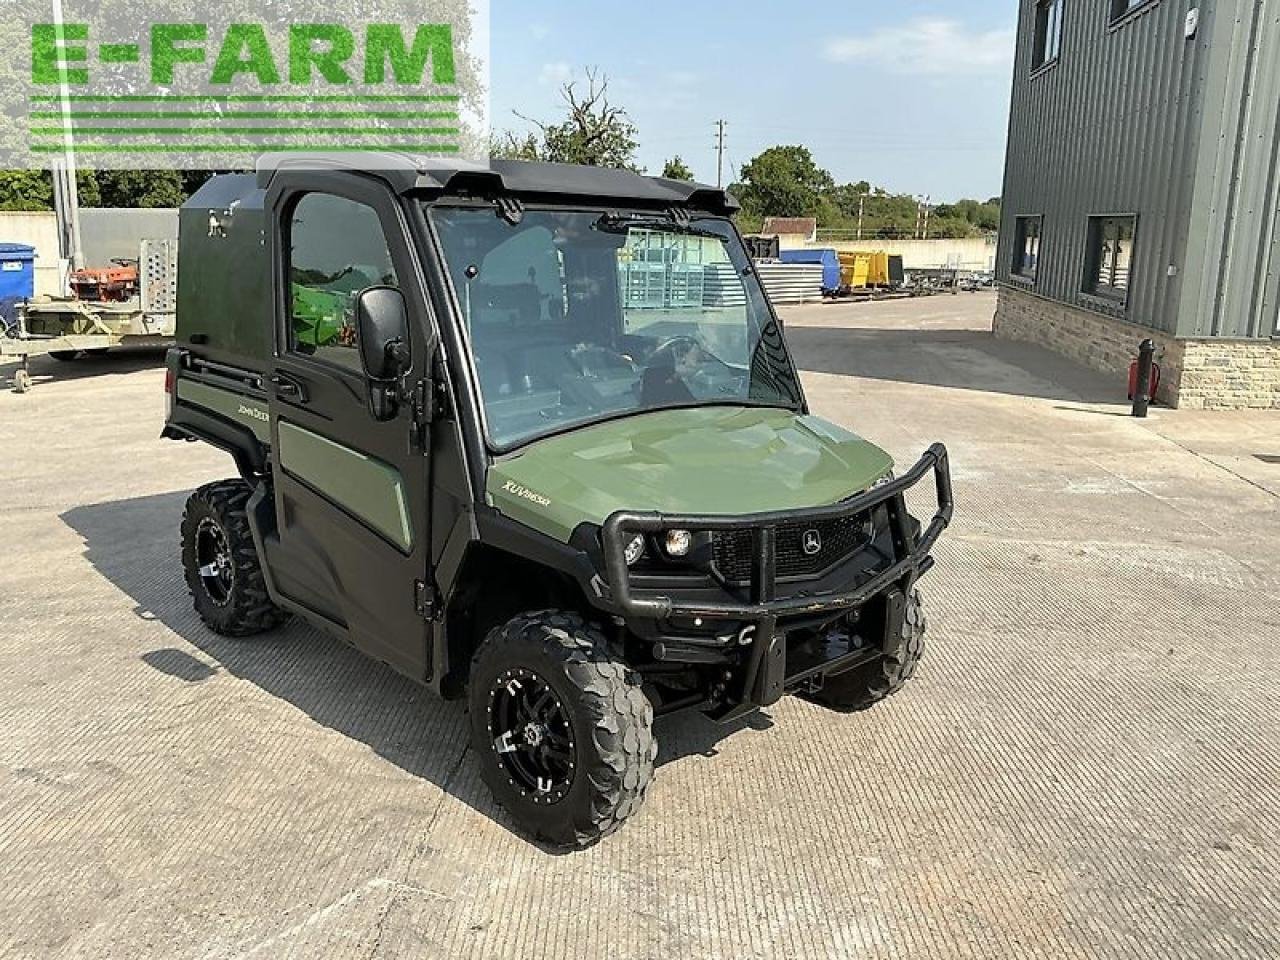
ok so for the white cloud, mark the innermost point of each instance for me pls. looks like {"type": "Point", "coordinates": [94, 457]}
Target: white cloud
{"type": "Point", "coordinates": [929, 46]}
{"type": "Point", "coordinates": [539, 31]}
{"type": "Point", "coordinates": [555, 74]}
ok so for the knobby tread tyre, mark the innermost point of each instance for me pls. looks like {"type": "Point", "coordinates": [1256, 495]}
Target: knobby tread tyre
{"type": "Point", "coordinates": [863, 688]}
{"type": "Point", "coordinates": [610, 714]}
{"type": "Point", "coordinates": [248, 609]}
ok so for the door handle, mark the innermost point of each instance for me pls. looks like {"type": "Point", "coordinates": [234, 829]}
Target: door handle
{"type": "Point", "coordinates": [288, 388]}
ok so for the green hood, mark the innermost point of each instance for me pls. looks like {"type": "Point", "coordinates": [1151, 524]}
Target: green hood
{"type": "Point", "coordinates": [724, 461]}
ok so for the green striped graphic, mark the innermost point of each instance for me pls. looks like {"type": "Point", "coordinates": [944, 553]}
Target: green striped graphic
{"type": "Point", "coordinates": [138, 123]}
{"type": "Point", "coordinates": [422, 148]}
{"type": "Point", "coordinates": [241, 115]}
{"type": "Point", "coordinates": [229, 131]}
{"type": "Point", "coordinates": [244, 98]}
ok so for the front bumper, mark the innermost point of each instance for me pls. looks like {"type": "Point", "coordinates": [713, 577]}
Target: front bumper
{"type": "Point", "coordinates": [766, 676]}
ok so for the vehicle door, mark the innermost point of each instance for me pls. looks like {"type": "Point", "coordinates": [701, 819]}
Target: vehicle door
{"type": "Point", "coordinates": [350, 491]}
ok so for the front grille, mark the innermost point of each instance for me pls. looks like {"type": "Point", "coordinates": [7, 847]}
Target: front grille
{"type": "Point", "coordinates": [840, 538]}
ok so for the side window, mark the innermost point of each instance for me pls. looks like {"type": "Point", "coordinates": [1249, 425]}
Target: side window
{"type": "Point", "coordinates": [337, 250]}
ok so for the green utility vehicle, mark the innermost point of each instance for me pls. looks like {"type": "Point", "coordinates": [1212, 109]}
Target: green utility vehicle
{"type": "Point", "coordinates": [531, 435]}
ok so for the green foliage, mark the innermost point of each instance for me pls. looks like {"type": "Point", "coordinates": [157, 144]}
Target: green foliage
{"type": "Point", "coordinates": [141, 188]}
{"type": "Point", "coordinates": [87, 189]}
{"type": "Point", "coordinates": [677, 169]}
{"type": "Point", "coordinates": [26, 190]}
{"type": "Point", "coordinates": [32, 190]}
{"type": "Point", "coordinates": [985, 216]}
{"type": "Point", "coordinates": [511, 147]}
{"type": "Point", "coordinates": [787, 182]}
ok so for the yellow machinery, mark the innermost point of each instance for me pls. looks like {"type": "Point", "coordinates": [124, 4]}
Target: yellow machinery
{"type": "Point", "coordinates": [862, 271]}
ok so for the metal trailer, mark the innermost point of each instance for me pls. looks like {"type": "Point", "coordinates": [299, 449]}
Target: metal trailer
{"type": "Point", "coordinates": [66, 327]}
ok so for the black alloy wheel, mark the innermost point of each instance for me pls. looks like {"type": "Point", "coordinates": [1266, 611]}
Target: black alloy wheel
{"type": "Point", "coordinates": [532, 736]}
{"type": "Point", "coordinates": [213, 559]}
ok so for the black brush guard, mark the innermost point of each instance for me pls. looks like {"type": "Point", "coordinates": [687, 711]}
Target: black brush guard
{"type": "Point", "coordinates": [766, 676]}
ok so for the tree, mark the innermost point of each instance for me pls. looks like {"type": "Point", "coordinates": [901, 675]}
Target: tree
{"type": "Point", "coordinates": [595, 132]}
{"type": "Point", "coordinates": [33, 189]}
{"type": "Point", "coordinates": [510, 146]}
{"type": "Point", "coordinates": [786, 182]}
{"type": "Point", "coordinates": [88, 192]}
{"type": "Point", "coordinates": [141, 188]}
{"type": "Point", "coordinates": [677, 169]}
{"type": "Point", "coordinates": [26, 190]}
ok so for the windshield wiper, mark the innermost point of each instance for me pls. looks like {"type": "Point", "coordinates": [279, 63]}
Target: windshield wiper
{"type": "Point", "coordinates": [623, 223]}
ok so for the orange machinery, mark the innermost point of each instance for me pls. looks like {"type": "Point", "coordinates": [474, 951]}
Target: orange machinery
{"type": "Point", "coordinates": [114, 284]}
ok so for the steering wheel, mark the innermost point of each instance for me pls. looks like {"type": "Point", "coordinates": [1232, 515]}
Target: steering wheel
{"type": "Point", "coordinates": [596, 360]}
{"type": "Point", "coordinates": [700, 379]}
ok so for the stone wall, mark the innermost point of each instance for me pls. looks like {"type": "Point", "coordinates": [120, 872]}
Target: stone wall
{"type": "Point", "coordinates": [1230, 374]}
{"type": "Point", "coordinates": [1195, 374]}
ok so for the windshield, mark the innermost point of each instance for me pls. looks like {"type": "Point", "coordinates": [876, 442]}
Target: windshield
{"type": "Point", "coordinates": [574, 316]}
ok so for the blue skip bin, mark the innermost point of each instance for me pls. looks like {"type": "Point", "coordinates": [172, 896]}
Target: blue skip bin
{"type": "Point", "coordinates": [17, 279]}
{"type": "Point", "coordinates": [830, 261]}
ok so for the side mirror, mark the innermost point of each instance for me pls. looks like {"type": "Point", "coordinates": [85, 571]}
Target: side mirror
{"type": "Point", "coordinates": [382, 325]}
{"type": "Point", "coordinates": [382, 321]}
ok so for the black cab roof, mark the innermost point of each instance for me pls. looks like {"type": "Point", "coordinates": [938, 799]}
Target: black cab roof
{"type": "Point", "coordinates": [552, 181]}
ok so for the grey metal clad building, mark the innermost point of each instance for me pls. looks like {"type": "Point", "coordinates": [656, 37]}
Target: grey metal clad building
{"type": "Point", "coordinates": [1142, 191]}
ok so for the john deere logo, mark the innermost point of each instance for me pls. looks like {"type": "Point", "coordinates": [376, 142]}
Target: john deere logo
{"type": "Point", "coordinates": [255, 412]}
{"type": "Point", "coordinates": [812, 543]}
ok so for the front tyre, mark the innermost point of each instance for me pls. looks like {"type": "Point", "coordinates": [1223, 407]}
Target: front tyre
{"type": "Point", "coordinates": [561, 728]}
{"type": "Point", "coordinates": [864, 687]}
{"type": "Point", "coordinates": [221, 565]}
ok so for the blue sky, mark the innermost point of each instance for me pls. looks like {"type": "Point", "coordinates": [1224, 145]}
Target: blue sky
{"type": "Point", "coordinates": [910, 95]}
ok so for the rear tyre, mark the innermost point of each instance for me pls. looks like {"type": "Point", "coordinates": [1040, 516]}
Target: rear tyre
{"type": "Point", "coordinates": [868, 685]}
{"type": "Point", "coordinates": [65, 356]}
{"type": "Point", "coordinates": [561, 728]}
{"type": "Point", "coordinates": [221, 563]}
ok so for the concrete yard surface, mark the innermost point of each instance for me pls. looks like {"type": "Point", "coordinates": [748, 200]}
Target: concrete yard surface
{"type": "Point", "coordinates": [1087, 765]}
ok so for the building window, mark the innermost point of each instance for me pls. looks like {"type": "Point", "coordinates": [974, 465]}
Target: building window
{"type": "Point", "coordinates": [1110, 256]}
{"type": "Point", "coordinates": [1122, 8]}
{"type": "Point", "coordinates": [1048, 36]}
{"type": "Point", "coordinates": [1026, 247]}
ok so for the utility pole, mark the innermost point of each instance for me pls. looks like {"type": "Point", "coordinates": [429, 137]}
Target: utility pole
{"type": "Point", "coordinates": [927, 211]}
{"type": "Point", "coordinates": [862, 199]}
{"type": "Point", "coordinates": [65, 193]}
{"type": "Point", "coordinates": [721, 126]}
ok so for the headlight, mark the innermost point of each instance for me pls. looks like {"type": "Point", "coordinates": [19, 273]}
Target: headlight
{"type": "Point", "coordinates": [635, 550]}
{"type": "Point", "coordinates": [678, 543]}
